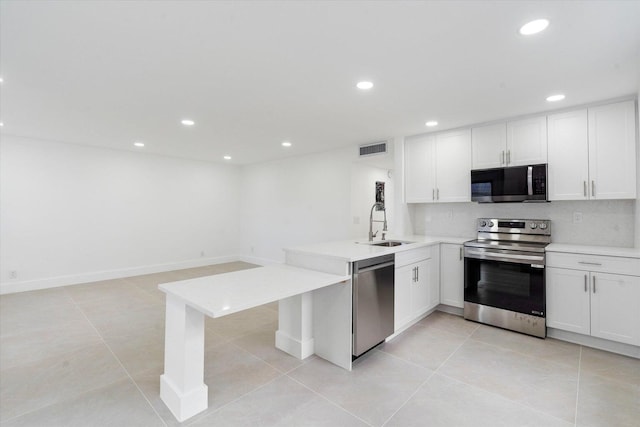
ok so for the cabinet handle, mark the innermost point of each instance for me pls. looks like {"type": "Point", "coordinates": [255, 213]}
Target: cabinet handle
{"type": "Point", "coordinates": [585, 283]}
{"type": "Point", "coordinates": [502, 158]}
{"type": "Point", "coordinates": [593, 188]}
{"type": "Point", "coordinates": [460, 253]}
{"type": "Point", "coordinates": [594, 284]}
{"type": "Point", "coordinates": [438, 194]}
{"type": "Point", "coordinates": [508, 156]}
{"type": "Point", "coordinates": [417, 274]}
{"type": "Point", "coordinates": [589, 263]}
{"type": "Point", "coordinates": [433, 194]}
{"type": "Point", "coordinates": [585, 188]}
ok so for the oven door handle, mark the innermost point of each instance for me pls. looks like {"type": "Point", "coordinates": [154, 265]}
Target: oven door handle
{"type": "Point", "coordinates": [519, 258]}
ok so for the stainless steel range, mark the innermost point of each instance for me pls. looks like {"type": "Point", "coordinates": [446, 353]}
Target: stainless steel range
{"type": "Point", "coordinates": [504, 281]}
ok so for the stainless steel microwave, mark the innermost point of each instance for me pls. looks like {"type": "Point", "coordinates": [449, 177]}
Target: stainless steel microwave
{"type": "Point", "coordinates": [512, 184]}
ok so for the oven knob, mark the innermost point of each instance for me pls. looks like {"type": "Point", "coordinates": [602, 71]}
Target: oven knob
{"type": "Point", "coordinates": [490, 224]}
{"type": "Point", "coordinates": [543, 226]}
{"type": "Point", "coordinates": [533, 225]}
{"type": "Point", "coordinates": [483, 223]}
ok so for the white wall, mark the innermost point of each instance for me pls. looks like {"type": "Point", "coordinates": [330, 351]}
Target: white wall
{"type": "Point", "coordinates": [295, 201]}
{"type": "Point", "coordinates": [604, 223]}
{"type": "Point", "coordinates": [72, 213]}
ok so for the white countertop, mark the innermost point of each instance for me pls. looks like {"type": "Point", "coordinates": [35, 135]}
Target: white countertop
{"type": "Point", "coordinates": [355, 250]}
{"type": "Point", "coordinates": [594, 250]}
{"type": "Point", "coordinates": [228, 293]}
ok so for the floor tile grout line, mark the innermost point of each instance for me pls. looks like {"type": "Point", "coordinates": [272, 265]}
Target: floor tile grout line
{"type": "Point", "coordinates": [8, 420]}
{"type": "Point", "coordinates": [327, 399]}
{"type": "Point", "coordinates": [575, 416]}
{"type": "Point", "coordinates": [487, 391]}
{"type": "Point", "coordinates": [204, 415]}
{"type": "Point", "coordinates": [409, 398]}
{"type": "Point", "coordinates": [122, 366]}
{"type": "Point", "coordinates": [517, 352]}
{"type": "Point", "coordinates": [493, 393]}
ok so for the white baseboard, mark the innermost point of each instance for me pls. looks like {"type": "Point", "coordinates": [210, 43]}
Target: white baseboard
{"type": "Point", "coordinates": [589, 341]}
{"type": "Point", "coordinates": [54, 282]}
{"type": "Point", "coordinates": [298, 349]}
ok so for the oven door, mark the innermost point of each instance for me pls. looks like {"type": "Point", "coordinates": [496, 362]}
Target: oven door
{"type": "Point", "coordinates": [495, 280]}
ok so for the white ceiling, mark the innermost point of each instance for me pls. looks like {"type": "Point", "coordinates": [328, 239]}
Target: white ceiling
{"type": "Point", "coordinates": [254, 73]}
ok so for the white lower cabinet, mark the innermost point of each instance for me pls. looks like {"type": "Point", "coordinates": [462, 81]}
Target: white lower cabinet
{"type": "Point", "coordinates": [596, 303]}
{"type": "Point", "coordinates": [417, 288]}
{"type": "Point", "coordinates": [452, 275]}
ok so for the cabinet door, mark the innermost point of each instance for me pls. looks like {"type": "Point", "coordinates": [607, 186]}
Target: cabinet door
{"type": "Point", "coordinates": [615, 307]}
{"type": "Point", "coordinates": [527, 141]}
{"type": "Point", "coordinates": [404, 278]}
{"type": "Point", "coordinates": [612, 151]}
{"type": "Point", "coordinates": [451, 275]}
{"type": "Point", "coordinates": [453, 166]}
{"type": "Point", "coordinates": [420, 291]}
{"type": "Point", "coordinates": [420, 175]}
{"type": "Point", "coordinates": [568, 300]}
{"type": "Point", "coordinates": [488, 146]}
{"type": "Point", "coordinates": [568, 168]}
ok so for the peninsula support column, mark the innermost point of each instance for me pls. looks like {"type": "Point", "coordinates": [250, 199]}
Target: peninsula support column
{"type": "Point", "coordinates": [182, 386]}
{"type": "Point", "coordinates": [295, 325]}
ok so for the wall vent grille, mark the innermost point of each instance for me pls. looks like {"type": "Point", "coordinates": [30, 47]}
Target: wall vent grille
{"type": "Point", "coordinates": [371, 149]}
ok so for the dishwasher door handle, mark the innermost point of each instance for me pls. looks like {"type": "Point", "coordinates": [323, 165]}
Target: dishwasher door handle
{"type": "Point", "coordinates": [375, 267]}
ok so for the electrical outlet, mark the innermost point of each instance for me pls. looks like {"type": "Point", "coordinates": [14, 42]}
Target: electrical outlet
{"type": "Point", "coordinates": [356, 220]}
{"type": "Point", "coordinates": [251, 249]}
{"type": "Point", "coordinates": [201, 253]}
{"type": "Point", "coordinates": [13, 274]}
{"type": "Point", "coordinates": [577, 217]}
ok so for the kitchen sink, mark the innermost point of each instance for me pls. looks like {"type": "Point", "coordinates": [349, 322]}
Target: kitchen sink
{"type": "Point", "coordinates": [389, 243]}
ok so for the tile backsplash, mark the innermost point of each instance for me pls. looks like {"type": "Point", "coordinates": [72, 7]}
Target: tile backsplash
{"type": "Point", "coordinates": [593, 222]}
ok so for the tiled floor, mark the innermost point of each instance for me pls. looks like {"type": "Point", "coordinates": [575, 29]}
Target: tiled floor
{"type": "Point", "coordinates": [92, 355]}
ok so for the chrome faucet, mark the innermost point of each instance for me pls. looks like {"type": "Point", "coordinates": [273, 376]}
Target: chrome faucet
{"type": "Point", "coordinates": [371, 221]}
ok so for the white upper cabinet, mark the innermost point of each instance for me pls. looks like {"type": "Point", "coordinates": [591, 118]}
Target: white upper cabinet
{"type": "Point", "coordinates": [420, 174]}
{"type": "Point", "coordinates": [516, 143]}
{"type": "Point", "coordinates": [453, 166]}
{"type": "Point", "coordinates": [612, 151]}
{"type": "Point", "coordinates": [488, 146]}
{"type": "Point", "coordinates": [568, 168]}
{"type": "Point", "coordinates": [592, 153]}
{"type": "Point", "coordinates": [437, 167]}
{"type": "Point", "coordinates": [527, 142]}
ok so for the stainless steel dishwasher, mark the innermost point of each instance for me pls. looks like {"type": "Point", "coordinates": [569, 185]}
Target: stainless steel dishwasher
{"type": "Point", "coordinates": [373, 294]}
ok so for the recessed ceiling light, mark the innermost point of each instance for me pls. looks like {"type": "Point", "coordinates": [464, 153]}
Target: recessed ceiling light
{"type": "Point", "coordinates": [227, 157]}
{"type": "Point", "coordinates": [188, 122]}
{"type": "Point", "coordinates": [431, 123]}
{"type": "Point", "coordinates": [1, 124]}
{"type": "Point", "coordinates": [138, 144]}
{"type": "Point", "coordinates": [555, 98]}
{"type": "Point", "coordinates": [1, 80]}
{"type": "Point", "coordinates": [534, 27]}
{"type": "Point", "coordinates": [286, 144]}
{"type": "Point", "coordinates": [364, 85]}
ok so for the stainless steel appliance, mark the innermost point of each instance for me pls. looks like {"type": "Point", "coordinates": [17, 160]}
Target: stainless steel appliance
{"type": "Point", "coordinates": [373, 295]}
{"type": "Point", "coordinates": [512, 184]}
{"type": "Point", "coordinates": [504, 282]}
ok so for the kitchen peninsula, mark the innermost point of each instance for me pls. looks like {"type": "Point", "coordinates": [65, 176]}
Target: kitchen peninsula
{"type": "Point", "coordinates": [314, 293]}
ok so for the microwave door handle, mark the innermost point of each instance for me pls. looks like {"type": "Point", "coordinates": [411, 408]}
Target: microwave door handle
{"type": "Point", "coordinates": [530, 180]}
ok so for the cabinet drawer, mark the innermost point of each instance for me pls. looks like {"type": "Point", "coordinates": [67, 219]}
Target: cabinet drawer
{"type": "Point", "coordinates": [413, 255]}
{"type": "Point", "coordinates": [598, 263]}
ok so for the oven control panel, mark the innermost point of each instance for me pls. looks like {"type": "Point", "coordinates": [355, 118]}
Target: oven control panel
{"type": "Point", "coordinates": [515, 226]}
